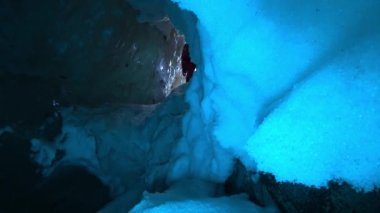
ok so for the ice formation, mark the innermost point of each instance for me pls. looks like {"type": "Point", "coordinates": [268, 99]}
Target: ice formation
{"type": "Point", "coordinates": [186, 197]}
{"type": "Point", "coordinates": [290, 88]}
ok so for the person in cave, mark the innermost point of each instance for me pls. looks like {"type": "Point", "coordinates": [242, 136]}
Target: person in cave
{"type": "Point", "coordinates": [188, 67]}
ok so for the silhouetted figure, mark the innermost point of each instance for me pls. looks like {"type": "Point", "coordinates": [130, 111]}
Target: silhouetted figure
{"type": "Point", "coordinates": [188, 67]}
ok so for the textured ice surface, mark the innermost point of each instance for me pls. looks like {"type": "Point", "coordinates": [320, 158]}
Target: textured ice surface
{"type": "Point", "coordinates": [194, 196]}
{"type": "Point", "coordinates": [107, 140]}
{"type": "Point", "coordinates": [124, 145]}
{"type": "Point", "coordinates": [197, 153]}
{"type": "Point", "coordinates": [327, 128]}
{"type": "Point", "coordinates": [291, 86]}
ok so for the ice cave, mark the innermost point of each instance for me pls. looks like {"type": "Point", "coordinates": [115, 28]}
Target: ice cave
{"type": "Point", "coordinates": [190, 106]}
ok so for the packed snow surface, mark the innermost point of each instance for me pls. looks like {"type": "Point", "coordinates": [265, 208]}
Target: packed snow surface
{"type": "Point", "coordinates": [290, 87]}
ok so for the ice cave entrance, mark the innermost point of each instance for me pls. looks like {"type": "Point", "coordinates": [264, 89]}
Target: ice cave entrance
{"type": "Point", "coordinates": [278, 84]}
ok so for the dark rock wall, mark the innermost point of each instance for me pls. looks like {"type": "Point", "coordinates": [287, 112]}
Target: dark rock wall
{"type": "Point", "coordinates": [95, 51]}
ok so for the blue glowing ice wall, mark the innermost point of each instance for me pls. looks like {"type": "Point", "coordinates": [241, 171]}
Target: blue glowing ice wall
{"type": "Point", "coordinates": [291, 87]}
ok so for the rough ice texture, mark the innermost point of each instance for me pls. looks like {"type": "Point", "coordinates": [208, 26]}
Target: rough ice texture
{"type": "Point", "coordinates": [290, 86]}
{"type": "Point", "coordinates": [326, 129]}
{"type": "Point", "coordinates": [196, 153]}
{"type": "Point", "coordinates": [194, 196]}
{"type": "Point", "coordinates": [107, 140]}
{"type": "Point", "coordinates": [124, 145]}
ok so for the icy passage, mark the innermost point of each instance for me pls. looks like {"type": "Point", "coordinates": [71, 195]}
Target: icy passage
{"type": "Point", "coordinates": [96, 96]}
{"type": "Point", "coordinates": [292, 88]}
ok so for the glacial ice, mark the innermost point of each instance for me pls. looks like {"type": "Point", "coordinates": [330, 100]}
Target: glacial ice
{"type": "Point", "coordinates": [186, 197]}
{"type": "Point", "coordinates": [290, 88]}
